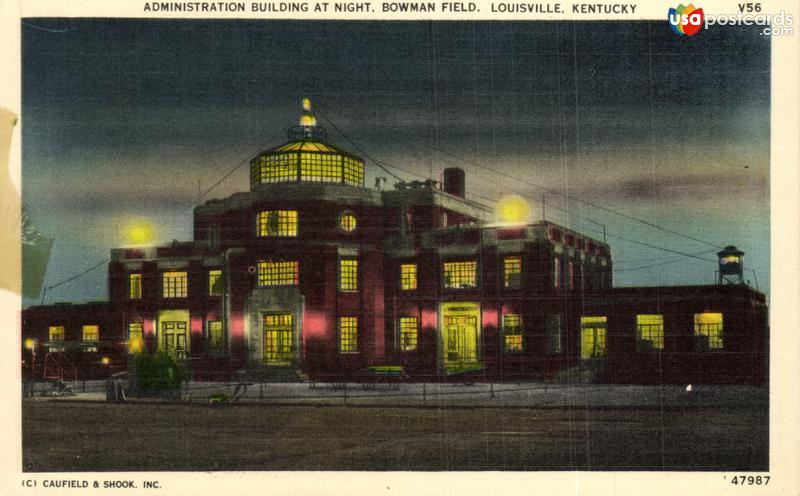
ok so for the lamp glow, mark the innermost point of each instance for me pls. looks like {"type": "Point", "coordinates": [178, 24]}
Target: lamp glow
{"type": "Point", "coordinates": [512, 210]}
{"type": "Point", "coordinates": [140, 232]}
{"type": "Point", "coordinates": [106, 360]}
{"type": "Point", "coordinates": [307, 119]}
{"type": "Point", "coordinates": [30, 343]}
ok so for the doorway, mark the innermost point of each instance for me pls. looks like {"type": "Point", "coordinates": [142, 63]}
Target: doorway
{"type": "Point", "coordinates": [173, 338]}
{"type": "Point", "coordinates": [460, 337]}
{"type": "Point", "coordinates": [174, 334]}
{"type": "Point", "coordinates": [278, 339]}
{"type": "Point", "coordinates": [593, 337]}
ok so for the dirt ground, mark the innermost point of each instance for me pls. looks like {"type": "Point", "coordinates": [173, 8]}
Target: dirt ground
{"type": "Point", "coordinates": [95, 436]}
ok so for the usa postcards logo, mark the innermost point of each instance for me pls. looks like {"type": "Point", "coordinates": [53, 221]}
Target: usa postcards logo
{"type": "Point", "coordinates": [685, 21]}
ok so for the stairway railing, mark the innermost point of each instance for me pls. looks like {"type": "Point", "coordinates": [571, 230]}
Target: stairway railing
{"type": "Point", "coordinates": [58, 366]}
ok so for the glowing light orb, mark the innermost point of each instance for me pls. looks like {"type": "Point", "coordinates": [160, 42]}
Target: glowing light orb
{"type": "Point", "coordinates": [140, 232]}
{"type": "Point", "coordinates": [308, 120]}
{"type": "Point", "coordinates": [30, 343]}
{"type": "Point", "coordinates": [513, 209]}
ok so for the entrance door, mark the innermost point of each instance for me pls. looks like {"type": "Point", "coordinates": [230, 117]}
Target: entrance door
{"type": "Point", "coordinates": [173, 333]}
{"type": "Point", "coordinates": [593, 337]}
{"type": "Point", "coordinates": [460, 337]}
{"type": "Point", "coordinates": [278, 339]}
{"type": "Point", "coordinates": [174, 337]}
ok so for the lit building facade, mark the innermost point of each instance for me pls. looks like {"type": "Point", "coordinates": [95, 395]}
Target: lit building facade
{"type": "Point", "coordinates": [311, 273]}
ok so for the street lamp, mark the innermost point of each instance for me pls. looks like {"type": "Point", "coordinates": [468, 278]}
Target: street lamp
{"type": "Point", "coordinates": [30, 344]}
{"type": "Point", "coordinates": [106, 361]}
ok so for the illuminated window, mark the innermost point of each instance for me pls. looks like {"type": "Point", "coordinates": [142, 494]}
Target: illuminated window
{"type": "Point", "coordinates": [353, 171]}
{"type": "Point", "coordinates": [348, 334]}
{"type": "Point", "coordinates": [275, 168]}
{"type": "Point", "coordinates": [649, 332]}
{"type": "Point", "coordinates": [348, 274]}
{"type": "Point", "coordinates": [307, 166]}
{"type": "Point", "coordinates": [174, 284]}
{"type": "Point", "coordinates": [91, 333]}
{"type": "Point", "coordinates": [56, 333]}
{"type": "Point", "coordinates": [512, 332]}
{"type": "Point", "coordinates": [552, 329]}
{"type": "Point", "coordinates": [255, 171]}
{"type": "Point", "coordinates": [408, 333]}
{"type": "Point", "coordinates": [135, 337]}
{"type": "Point", "coordinates": [708, 331]}
{"type": "Point", "coordinates": [461, 275]}
{"type": "Point", "coordinates": [216, 339]}
{"type": "Point", "coordinates": [512, 272]}
{"type": "Point", "coordinates": [215, 282]}
{"type": "Point", "coordinates": [347, 222]}
{"type": "Point", "coordinates": [593, 337]}
{"type": "Point", "coordinates": [277, 223]}
{"type": "Point", "coordinates": [317, 167]}
{"type": "Point", "coordinates": [279, 273]}
{"type": "Point", "coordinates": [556, 273]}
{"type": "Point", "coordinates": [135, 285]}
{"type": "Point", "coordinates": [408, 277]}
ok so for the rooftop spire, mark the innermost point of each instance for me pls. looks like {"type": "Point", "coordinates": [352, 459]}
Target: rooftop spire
{"type": "Point", "coordinates": [308, 128]}
{"type": "Point", "coordinates": [307, 118]}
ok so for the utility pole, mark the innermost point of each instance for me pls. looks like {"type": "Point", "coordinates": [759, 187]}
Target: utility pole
{"type": "Point", "coordinates": [544, 206]}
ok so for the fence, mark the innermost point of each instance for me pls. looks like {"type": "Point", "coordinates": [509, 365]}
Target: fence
{"type": "Point", "coordinates": [464, 395]}
{"type": "Point", "coordinates": [426, 394]}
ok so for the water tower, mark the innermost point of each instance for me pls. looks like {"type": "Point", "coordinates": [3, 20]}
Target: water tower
{"type": "Point", "coordinates": [730, 265]}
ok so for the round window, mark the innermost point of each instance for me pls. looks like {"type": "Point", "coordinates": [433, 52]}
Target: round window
{"type": "Point", "coordinates": [347, 222]}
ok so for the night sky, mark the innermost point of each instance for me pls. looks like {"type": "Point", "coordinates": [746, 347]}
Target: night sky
{"type": "Point", "coordinates": [127, 120]}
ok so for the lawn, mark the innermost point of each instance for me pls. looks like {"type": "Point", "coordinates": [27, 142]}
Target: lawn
{"type": "Point", "coordinates": [97, 436]}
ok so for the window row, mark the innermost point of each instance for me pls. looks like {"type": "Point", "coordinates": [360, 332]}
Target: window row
{"type": "Point", "coordinates": [89, 332]}
{"type": "Point", "coordinates": [175, 284]}
{"type": "Point", "coordinates": [457, 275]}
{"type": "Point", "coordinates": [313, 167]}
{"type": "Point", "coordinates": [174, 337]}
{"type": "Point", "coordinates": [578, 277]}
{"type": "Point", "coordinates": [283, 223]}
{"type": "Point", "coordinates": [463, 274]}
{"type": "Point", "coordinates": [511, 330]}
{"type": "Point", "coordinates": [287, 273]}
{"type": "Point", "coordinates": [270, 273]}
{"type": "Point", "coordinates": [708, 333]}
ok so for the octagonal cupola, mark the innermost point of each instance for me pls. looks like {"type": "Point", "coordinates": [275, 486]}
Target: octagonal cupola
{"type": "Point", "coordinates": [306, 157]}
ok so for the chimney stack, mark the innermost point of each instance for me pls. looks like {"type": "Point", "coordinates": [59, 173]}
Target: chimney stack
{"type": "Point", "coordinates": [455, 181]}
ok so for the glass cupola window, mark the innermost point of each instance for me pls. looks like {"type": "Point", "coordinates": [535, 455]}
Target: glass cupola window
{"type": "Point", "coordinates": [307, 157]}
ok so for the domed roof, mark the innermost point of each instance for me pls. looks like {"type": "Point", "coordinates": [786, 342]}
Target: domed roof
{"type": "Point", "coordinates": [307, 145]}
{"type": "Point", "coordinates": [307, 157]}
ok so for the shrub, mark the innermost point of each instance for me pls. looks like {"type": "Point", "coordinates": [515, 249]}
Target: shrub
{"type": "Point", "coordinates": [157, 374]}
